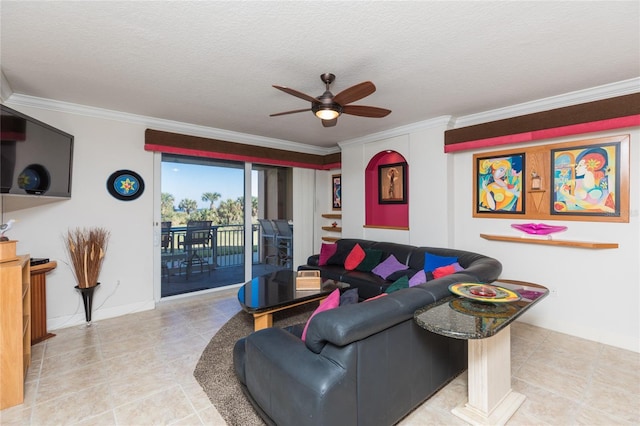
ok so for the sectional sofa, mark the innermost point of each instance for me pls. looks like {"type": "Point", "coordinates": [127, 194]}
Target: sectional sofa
{"type": "Point", "coordinates": [364, 363]}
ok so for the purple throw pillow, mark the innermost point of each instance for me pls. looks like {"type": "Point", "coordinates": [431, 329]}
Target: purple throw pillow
{"type": "Point", "coordinates": [388, 267]}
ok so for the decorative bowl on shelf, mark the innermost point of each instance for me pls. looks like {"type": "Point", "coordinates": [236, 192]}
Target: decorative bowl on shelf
{"type": "Point", "coordinates": [538, 228]}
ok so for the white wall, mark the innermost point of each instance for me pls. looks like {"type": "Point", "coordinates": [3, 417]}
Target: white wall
{"type": "Point", "coordinates": [596, 293]}
{"type": "Point", "coordinates": [304, 182]}
{"type": "Point", "coordinates": [101, 147]}
{"type": "Point", "coordinates": [430, 223]}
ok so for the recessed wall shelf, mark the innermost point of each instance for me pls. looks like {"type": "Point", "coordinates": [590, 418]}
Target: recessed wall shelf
{"type": "Point", "coordinates": [563, 243]}
{"type": "Point", "coordinates": [333, 229]}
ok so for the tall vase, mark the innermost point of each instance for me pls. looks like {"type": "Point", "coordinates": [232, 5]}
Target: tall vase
{"type": "Point", "coordinates": [87, 299]}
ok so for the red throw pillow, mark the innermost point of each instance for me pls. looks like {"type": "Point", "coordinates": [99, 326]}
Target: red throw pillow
{"type": "Point", "coordinates": [354, 258]}
{"type": "Point", "coordinates": [326, 251]}
{"type": "Point", "coordinates": [443, 271]}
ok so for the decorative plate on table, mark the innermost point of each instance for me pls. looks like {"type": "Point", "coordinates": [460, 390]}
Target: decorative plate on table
{"type": "Point", "coordinates": [479, 309]}
{"type": "Point", "coordinates": [484, 292]}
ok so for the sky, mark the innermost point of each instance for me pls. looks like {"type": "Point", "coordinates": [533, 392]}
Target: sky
{"type": "Point", "coordinates": [191, 181]}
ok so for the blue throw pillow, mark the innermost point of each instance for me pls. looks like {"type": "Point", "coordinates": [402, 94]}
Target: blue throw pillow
{"type": "Point", "coordinates": [433, 262]}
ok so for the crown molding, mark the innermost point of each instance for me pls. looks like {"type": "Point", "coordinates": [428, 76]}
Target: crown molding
{"type": "Point", "coordinates": [444, 121]}
{"type": "Point", "coordinates": [620, 88]}
{"type": "Point", "coordinates": [166, 125]}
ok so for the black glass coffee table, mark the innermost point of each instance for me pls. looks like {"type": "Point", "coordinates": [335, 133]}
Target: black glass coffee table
{"type": "Point", "coordinates": [262, 296]}
{"type": "Point", "coordinates": [486, 325]}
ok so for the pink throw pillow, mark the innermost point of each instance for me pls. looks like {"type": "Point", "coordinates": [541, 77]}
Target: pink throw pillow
{"type": "Point", "coordinates": [331, 302]}
{"type": "Point", "coordinates": [354, 258]}
{"type": "Point", "coordinates": [326, 251]}
{"type": "Point", "coordinates": [376, 297]}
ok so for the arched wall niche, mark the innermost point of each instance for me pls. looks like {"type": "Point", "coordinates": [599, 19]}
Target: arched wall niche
{"type": "Point", "coordinates": [377, 215]}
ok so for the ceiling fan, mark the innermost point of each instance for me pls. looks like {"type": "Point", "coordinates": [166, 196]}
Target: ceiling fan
{"type": "Point", "coordinates": [328, 107]}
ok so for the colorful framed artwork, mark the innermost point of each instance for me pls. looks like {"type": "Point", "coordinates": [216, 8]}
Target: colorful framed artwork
{"type": "Point", "coordinates": [586, 179]}
{"type": "Point", "coordinates": [336, 191]}
{"type": "Point", "coordinates": [125, 185]}
{"type": "Point", "coordinates": [392, 183]}
{"type": "Point", "coordinates": [498, 184]}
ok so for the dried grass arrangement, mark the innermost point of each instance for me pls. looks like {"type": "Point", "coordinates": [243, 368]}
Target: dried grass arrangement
{"type": "Point", "coordinates": [87, 248]}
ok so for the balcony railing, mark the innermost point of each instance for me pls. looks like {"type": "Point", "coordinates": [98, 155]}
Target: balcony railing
{"type": "Point", "coordinates": [225, 248]}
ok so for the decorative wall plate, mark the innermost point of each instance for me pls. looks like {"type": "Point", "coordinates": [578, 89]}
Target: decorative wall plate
{"type": "Point", "coordinates": [484, 292]}
{"type": "Point", "coordinates": [125, 185]}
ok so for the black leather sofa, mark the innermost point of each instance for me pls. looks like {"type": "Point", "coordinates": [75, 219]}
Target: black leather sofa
{"type": "Point", "coordinates": [362, 364]}
{"type": "Point", "coordinates": [370, 285]}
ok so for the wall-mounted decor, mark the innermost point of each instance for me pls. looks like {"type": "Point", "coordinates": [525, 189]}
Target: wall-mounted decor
{"type": "Point", "coordinates": [584, 180]}
{"type": "Point", "coordinates": [391, 183]}
{"type": "Point", "coordinates": [498, 184]}
{"type": "Point", "coordinates": [336, 191]}
{"type": "Point", "coordinates": [386, 214]}
{"type": "Point", "coordinates": [125, 185]}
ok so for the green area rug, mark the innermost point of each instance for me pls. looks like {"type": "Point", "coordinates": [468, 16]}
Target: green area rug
{"type": "Point", "coordinates": [215, 372]}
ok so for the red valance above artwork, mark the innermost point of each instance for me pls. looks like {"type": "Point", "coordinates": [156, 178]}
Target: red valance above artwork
{"type": "Point", "coordinates": [606, 114]}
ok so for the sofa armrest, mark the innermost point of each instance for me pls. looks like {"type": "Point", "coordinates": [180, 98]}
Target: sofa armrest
{"type": "Point", "coordinates": [322, 385]}
{"type": "Point", "coordinates": [313, 260]}
{"type": "Point", "coordinates": [351, 323]}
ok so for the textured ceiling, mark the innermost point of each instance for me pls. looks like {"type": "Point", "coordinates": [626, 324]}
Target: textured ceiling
{"type": "Point", "coordinates": [213, 63]}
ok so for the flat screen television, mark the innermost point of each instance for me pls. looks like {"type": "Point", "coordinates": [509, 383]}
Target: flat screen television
{"type": "Point", "coordinates": [35, 159]}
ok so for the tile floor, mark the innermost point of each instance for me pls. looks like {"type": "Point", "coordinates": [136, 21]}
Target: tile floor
{"type": "Point", "coordinates": [138, 370]}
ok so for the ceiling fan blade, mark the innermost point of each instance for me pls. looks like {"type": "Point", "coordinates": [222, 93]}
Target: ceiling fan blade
{"type": "Point", "coordinates": [330, 123]}
{"type": "Point", "coordinates": [366, 111]}
{"type": "Point", "coordinates": [354, 93]}
{"type": "Point", "coordinates": [297, 94]}
{"type": "Point", "coordinates": [290, 112]}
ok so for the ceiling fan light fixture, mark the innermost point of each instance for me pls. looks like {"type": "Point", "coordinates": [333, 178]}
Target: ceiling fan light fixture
{"type": "Point", "coordinates": [327, 112]}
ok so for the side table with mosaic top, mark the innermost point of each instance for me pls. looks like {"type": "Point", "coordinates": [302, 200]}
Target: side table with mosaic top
{"type": "Point", "coordinates": [487, 328]}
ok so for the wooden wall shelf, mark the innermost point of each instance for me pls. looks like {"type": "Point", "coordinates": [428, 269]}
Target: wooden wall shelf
{"type": "Point", "coordinates": [330, 239]}
{"type": "Point", "coordinates": [563, 243]}
{"type": "Point", "coordinates": [332, 215]}
{"type": "Point", "coordinates": [332, 228]}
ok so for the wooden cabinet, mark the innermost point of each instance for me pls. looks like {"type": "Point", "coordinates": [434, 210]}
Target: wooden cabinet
{"type": "Point", "coordinates": [334, 231]}
{"type": "Point", "coordinates": [15, 332]}
{"type": "Point", "coordinates": [39, 301]}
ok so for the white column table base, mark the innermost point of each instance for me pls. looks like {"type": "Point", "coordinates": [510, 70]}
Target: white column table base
{"type": "Point", "coordinates": [491, 400]}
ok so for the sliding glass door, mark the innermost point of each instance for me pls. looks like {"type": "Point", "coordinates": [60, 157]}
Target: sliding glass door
{"type": "Point", "coordinates": [205, 222]}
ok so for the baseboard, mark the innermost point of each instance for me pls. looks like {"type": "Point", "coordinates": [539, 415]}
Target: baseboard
{"type": "Point", "coordinates": [97, 315]}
